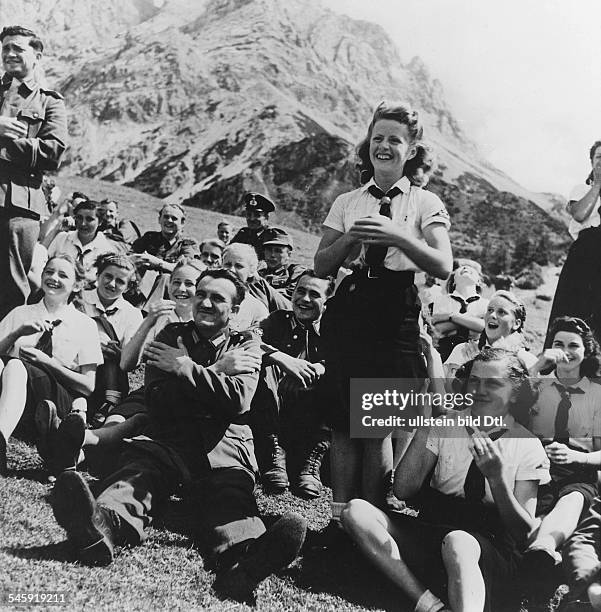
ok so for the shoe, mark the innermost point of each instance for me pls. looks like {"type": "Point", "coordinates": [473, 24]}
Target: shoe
{"type": "Point", "coordinates": [275, 477]}
{"type": "Point", "coordinates": [274, 550]}
{"type": "Point", "coordinates": [101, 414]}
{"type": "Point", "coordinates": [309, 480]}
{"type": "Point", "coordinates": [3, 466]}
{"type": "Point", "coordinates": [91, 528]}
{"type": "Point", "coordinates": [46, 424]}
{"type": "Point", "coordinates": [538, 573]}
{"type": "Point", "coordinates": [67, 443]}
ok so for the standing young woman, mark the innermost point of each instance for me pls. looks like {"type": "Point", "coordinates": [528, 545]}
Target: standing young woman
{"type": "Point", "coordinates": [51, 353]}
{"type": "Point", "coordinates": [370, 328]}
{"type": "Point", "coordinates": [578, 292]}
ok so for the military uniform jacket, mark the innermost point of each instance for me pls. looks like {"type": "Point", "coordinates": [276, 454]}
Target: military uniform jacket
{"type": "Point", "coordinates": [245, 235]}
{"type": "Point", "coordinates": [283, 332]}
{"type": "Point", "coordinates": [154, 243]}
{"type": "Point", "coordinates": [284, 278]}
{"type": "Point", "coordinates": [265, 293]}
{"type": "Point", "coordinates": [24, 160]}
{"type": "Point", "coordinates": [201, 413]}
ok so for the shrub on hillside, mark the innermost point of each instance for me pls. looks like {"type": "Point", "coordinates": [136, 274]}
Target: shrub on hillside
{"type": "Point", "coordinates": [530, 277]}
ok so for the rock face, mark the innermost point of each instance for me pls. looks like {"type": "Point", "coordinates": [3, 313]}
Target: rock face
{"type": "Point", "coordinates": [196, 101]}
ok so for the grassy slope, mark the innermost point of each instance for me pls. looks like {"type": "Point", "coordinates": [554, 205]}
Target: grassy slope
{"type": "Point", "coordinates": [167, 572]}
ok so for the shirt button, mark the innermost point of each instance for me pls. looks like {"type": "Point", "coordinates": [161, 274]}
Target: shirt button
{"type": "Point", "coordinates": [295, 337]}
{"type": "Point", "coordinates": [35, 115]}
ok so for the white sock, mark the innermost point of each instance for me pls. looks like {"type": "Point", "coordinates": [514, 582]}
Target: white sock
{"type": "Point", "coordinates": [337, 508]}
{"type": "Point", "coordinates": [428, 602]}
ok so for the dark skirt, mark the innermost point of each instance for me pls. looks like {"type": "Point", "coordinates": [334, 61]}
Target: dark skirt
{"type": "Point", "coordinates": [370, 329]}
{"type": "Point", "coordinates": [578, 292]}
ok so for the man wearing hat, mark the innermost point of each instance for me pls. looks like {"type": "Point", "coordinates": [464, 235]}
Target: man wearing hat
{"type": "Point", "coordinates": [258, 208]}
{"type": "Point", "coordinates": [279, 272]}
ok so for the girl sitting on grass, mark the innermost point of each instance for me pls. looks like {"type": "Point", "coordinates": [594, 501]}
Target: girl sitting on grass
{"type": "Point", "coordinates": [51, 352]}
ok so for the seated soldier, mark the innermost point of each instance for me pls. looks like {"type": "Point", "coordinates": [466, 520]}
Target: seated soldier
{"type": "Point", "coordinates": [279, 272]}
{"type": "Point", "coordinates": [289, 402]}
{"type": "Point", "coordinates": [258, 208]}
{"type": "Point", "coordinates": [157, 253]}
{"type": "Point", "coordinates": [120, 230]}
{"type": "Point", "coordinates": [162, 250]}
{"type": "Point", "coordinates": [200, 379]}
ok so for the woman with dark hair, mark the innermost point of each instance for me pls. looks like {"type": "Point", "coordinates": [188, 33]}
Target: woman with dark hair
{"type": "Point", "coordinates": [476, 490]}
{"type": "Point", "coordinates": [370, 328]}
{"type": "Point", "coordinates": [85, 243]}
{"type": "Point", "coordinates": [578, 292]}
{"type": "Point", "coordinates": [567, 419]}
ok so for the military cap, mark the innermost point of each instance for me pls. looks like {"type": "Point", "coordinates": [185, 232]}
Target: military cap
{"type": "Point", "coordinates": [275, 235]}
{"type": "Point", "coordinates": [256, 201]}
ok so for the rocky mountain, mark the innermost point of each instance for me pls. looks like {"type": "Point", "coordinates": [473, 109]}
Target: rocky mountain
{"type": "Point", "coordinates": [196, 101]}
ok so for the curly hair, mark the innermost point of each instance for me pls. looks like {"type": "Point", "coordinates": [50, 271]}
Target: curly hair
{"type": "Point", "coordinates": [591, 364]}
{"type": "Point", "coordinates": [396, 111]}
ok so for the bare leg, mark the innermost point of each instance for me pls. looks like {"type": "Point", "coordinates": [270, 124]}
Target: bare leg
{"type": "Point", "coordinates": [374, 533]}
{"type": "Point", "coordinates": [13, 396]}
{"type": "Point", "coordinates": [460, 555]}
{"type": "Point", "coordinates": [345, 460]}
{"type": "Point", "coordinates": [377, 469]}
{"type": "Point", "coordinates": [560, 523]}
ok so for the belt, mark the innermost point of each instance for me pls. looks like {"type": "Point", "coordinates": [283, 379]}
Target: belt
{"type": "Point", "coordinates": [403, 277]}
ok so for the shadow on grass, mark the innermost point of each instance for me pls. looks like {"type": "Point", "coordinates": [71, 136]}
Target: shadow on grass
{"type": "Point", "coordinates": [60, 551]}
{"type": "Point", "coordinates": [36, 474]}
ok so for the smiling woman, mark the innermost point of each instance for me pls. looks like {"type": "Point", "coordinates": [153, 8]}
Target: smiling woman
{"type": "Point", "coordinates": [370, 328]}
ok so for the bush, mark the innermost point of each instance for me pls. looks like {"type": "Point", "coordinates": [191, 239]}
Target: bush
{"type": "Point", "coordinates": [530, 277]}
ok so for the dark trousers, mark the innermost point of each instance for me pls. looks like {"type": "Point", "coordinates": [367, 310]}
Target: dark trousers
{"type": "Point", "coordinates": [18, 236]}
{"type": "Point", "coordinates": [149, 475]}
{"type": "Point", "coordinates": [281, 406]}
{"type": "Point", "coordinates": [582, 552]}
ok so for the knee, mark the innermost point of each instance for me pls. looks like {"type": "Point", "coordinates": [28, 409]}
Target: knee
{"type": "Point", "coordinates": [458, 548]}
{"type": "Point", "coordinates": [357, 516]}
{"type": "Point", "coordinates": [15, 369]}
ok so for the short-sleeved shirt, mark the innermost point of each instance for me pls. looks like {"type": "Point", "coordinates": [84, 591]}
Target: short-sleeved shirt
{"type": "Point", "coordinates": [514, 342]}
{"type": "Point", "coordinates": [413, 209]}
{"type": "Point", "coordinates": [125, 319]}
{"type": "Point", "coordinates": [593, 220]}
{"type": "Point", "coordinates": [75, 341]}
{"type": "Point", "coordinates": [523, 454]}
{"type": "Point", "coordinates": [252, 311]}
{"type": "Point", "coordinates": [68, 243]}
{"type": "Point", "coordinates": [584, 417]}
{"type": "Point", "coordinates": [475, 307]}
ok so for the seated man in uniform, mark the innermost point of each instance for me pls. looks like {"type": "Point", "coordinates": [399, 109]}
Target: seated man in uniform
{"type": "Point", "coordinates": [279, 272]}
{"type": "Point", "coordinates": [121, 230]}
{"type": "Point", "coordinates": [200, 379]}
{"type": "Point", "coordinates": [289, 402]}
{"type": "Point", "coordinates": [163, 250]}
{"type": "Point", "coordinates": [258, 208]}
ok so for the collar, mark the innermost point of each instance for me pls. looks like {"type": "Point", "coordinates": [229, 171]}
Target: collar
{"type": "Point", "coordinates": [91, 297]}
{"type": "Point", "coordinates": [43, 311]}
{"type": "Point", "coordinates": [296, 324]}
{"type": "Point", "coordinates": [217, 341]}
{"type": "Point", "coordinates": [28, 84]}
{"type": "Point", "coordinates": [403, 184]}
{"type": "Point", "coordinates": [583, 384]}
{"type": "Point", "coordinates": [470, 298]}
{"type": "Point", "coordinates": [99, 240]}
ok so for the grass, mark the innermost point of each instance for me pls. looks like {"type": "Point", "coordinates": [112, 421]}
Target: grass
{"type": "Point", "coordinates": [167, 572]}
